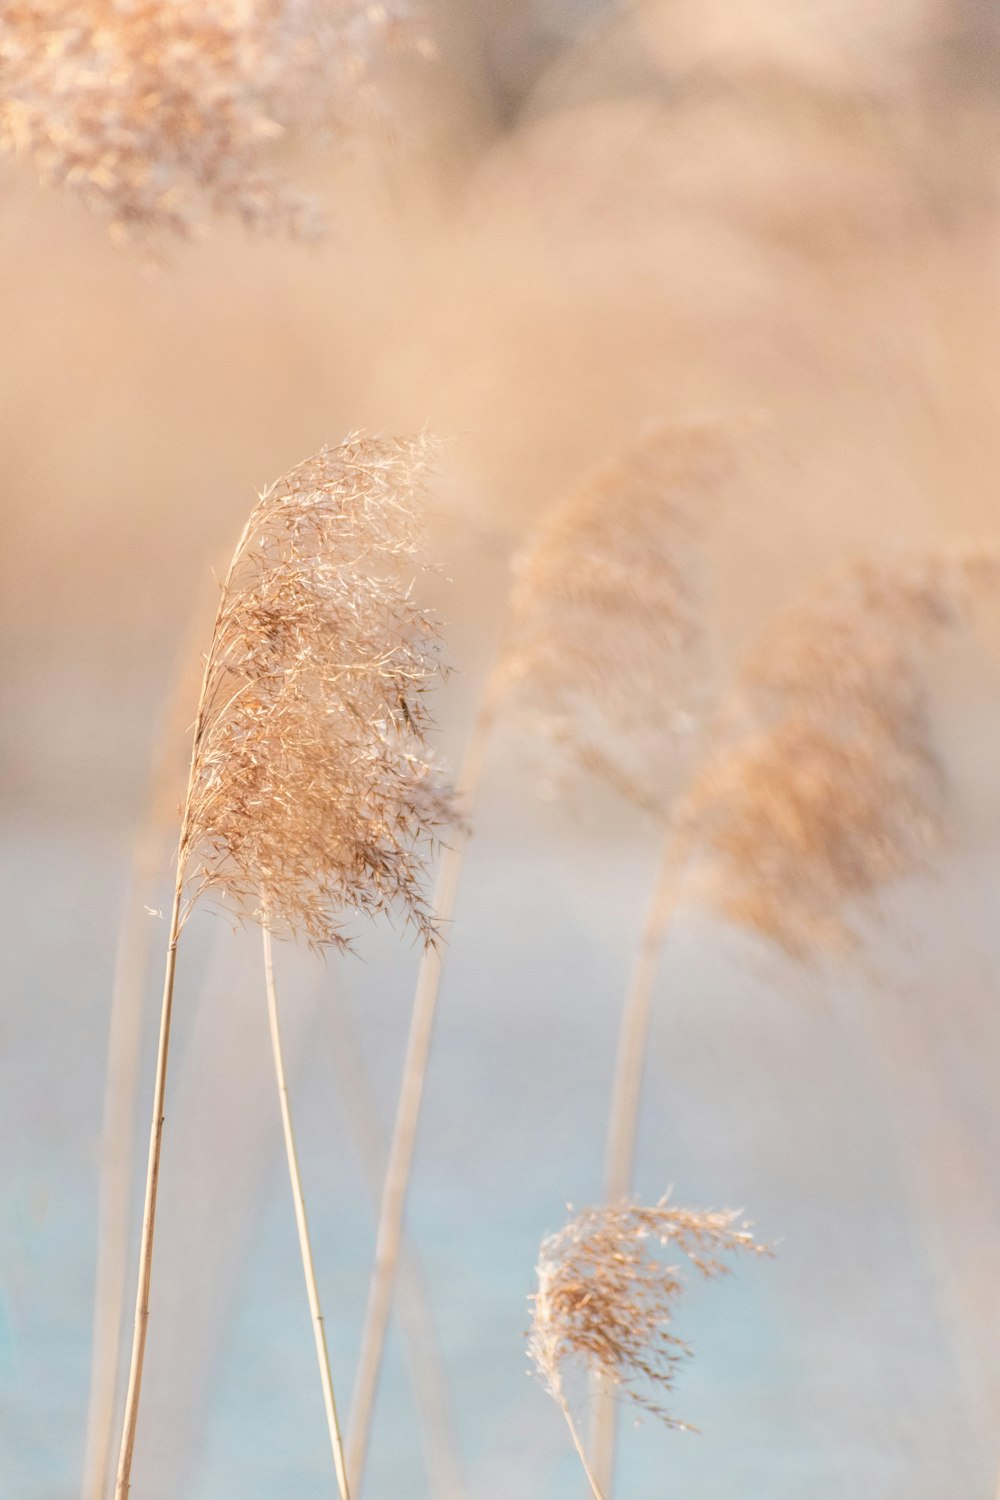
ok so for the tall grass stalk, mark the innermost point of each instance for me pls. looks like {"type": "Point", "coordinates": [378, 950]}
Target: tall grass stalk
{"type": "Point", "coordinates": [399, 1163]}
{"type": "Point", "coordinates": [301, 1221]}
{"type": "Point", "coordinates": [428, 1377]}
{"type": "Point", "coordinates": [309, 790]}
{"type": "Point", "coordinates": [623, 1119]}
{"type": "Point", "coordinates": [122, 1070]}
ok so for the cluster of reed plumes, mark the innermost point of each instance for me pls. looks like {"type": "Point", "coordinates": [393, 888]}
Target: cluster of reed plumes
{"type": "Point", "coordinates": [160, 113]}
{"type": "Point", "coordinates": [813, 782]}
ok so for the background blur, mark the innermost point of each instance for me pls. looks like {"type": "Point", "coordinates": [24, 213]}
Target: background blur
{"type": "Point", "coordinates": [575, 218]}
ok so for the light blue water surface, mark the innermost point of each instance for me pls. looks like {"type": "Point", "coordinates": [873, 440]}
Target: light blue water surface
{"type": "Point", "coordinates": [830, 1371]}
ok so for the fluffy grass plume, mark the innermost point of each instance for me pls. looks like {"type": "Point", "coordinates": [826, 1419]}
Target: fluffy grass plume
{"type": "Point", "coordinates": [160, 112]}
{"type": "Point", "coordinates": [310, 791]}
{"type": "Point", "coordinates": [606, 1298]}
{"type": "Point", "coordinates": [607, 644]}
{"type": "Point", "coordinates": [836, 788]}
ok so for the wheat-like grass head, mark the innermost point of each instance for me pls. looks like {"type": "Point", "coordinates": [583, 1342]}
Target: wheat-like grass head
{"type": "Point", "coordinates": [607, 642]}
{"type": "Point", "coordinates": [159, 113]}
{"type": "Point", "coordinates": [312, 791]}
{"type": "Point", "coordinates": [835, 788]}
{"type": "Point", "coordinates": [606, 1298]}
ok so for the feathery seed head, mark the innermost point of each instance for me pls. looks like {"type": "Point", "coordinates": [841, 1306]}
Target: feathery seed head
{"type": "Point", "coordinates": [311, 787]}
{"type": "Point", "coordinates": [605, 1299]}
{"type": "Point", "coordinates": [836, 788]}
{"type": "Point", "coordinates": [607, 647]}
{"type": "Point", "coordinates": [158, 112]}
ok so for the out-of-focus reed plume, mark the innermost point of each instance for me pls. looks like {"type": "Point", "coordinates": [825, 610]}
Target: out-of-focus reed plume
{"type": "Point", "coordinates": [608, 643]}
{"type": "Point", "coordinates": [160, 113]}
{"type": "Point", "coordinates": [836, 788]}
{"type": "Point", "coordinates": [310, 790]}
{"type": "Point", "coordinates": [605, 1300]}
{"type": "Point", "coordinates": [601, 648]}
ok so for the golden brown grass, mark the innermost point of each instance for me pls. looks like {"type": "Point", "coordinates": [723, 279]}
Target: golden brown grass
{"type": "Point", "coordinates": [605, 1299]}
{"type": "Point", "coordinates": [159, 113]}
{"type": "Point", "coordinates": [310, 790]}
{"type": "Point", "coordinates": [607, 650]}
{"type": "Point", "coordinates": [836, 789]}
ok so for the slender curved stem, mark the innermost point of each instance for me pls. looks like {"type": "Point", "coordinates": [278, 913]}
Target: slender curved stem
{"type": "Point", "coordinates": [592, 1479]}
{"type": "Point", "coordinates": [301, 1222]}
{"type": "Point", "coordinates": [149, 1209]}
{"type": "Point", "coordinates": [416, 1314]}
{"type": "Point", "coordinates": [117, 1136]}
{"type": "Point", "coordinates": [624, 1114]}
{"type": "Point", "coordinates": [400, 1160]}
{"type": "Point", "coordinates": [125, 1027]}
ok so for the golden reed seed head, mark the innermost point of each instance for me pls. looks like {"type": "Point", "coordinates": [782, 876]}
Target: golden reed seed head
{"type": "Point", "coordinates": [607, 644]}
{"type": "Point", "coordinates": [835, 788]}
{"type": "Point", "coordinates": [605, 1298]}
{"type": "Point", "coordinates": [312, 791]}
{"type": "Point", "coordinates": [159, 112]}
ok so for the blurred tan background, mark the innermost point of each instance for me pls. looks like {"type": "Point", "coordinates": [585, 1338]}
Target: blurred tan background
{"type": "Point", "coordinates": [573, 218]}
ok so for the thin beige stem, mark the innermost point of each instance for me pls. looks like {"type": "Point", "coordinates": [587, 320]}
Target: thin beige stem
{"type": "Point", "coordinates": [149, 1208]}
{"type": "Point", "coordinates": [416, 1315]}
{"type": "Point", "coordinates": [117, 1132]}
{"type": "Point", "coordinates": [122, 1076]}
{"type": "Point", "coordinates": [623, 1119]}
{"type": "Point", "coordinates": [389, 1236]}
{"type": "Point", "coordinates": [592, 1478]}
{"type": "Point", "coordinates": [177, 918]}
{"type": "Point", "coordinates": [301, 1223]}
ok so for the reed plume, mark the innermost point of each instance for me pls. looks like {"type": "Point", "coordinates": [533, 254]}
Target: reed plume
{"type": "Point", "coordinates": [603, 631]}
{"type": "Point", "coordinates": [605, 1300]}
{"type": "Point", "coordinates": [159, 113]}
{"type": "Point", "coordinates": [826, 787]}
{"type": "Point", "coordinates": [607, 650]}
{"type": "Point", "coordinates": [836, 787]}
{"type": "Point", "coordinates": [310, 791]}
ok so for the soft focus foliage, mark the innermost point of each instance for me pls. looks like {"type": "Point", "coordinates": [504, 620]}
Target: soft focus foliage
{"type": "Point", "coordinates": [608, 642]}
{"type": "Point", "coordinates": [606, 1300]}
{"type": "Point", "coordinates": [311, 787]}
{"type": "Point", "coordinates": [836, 788]}
{"type": "Point", "coordinates": [158, 112]}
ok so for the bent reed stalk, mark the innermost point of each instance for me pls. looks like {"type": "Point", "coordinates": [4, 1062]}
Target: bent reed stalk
{"type": "Point", "coordinates": [399, 1162]}
{"type": "Point", "coordinates": [428, 1376]}
{"type": "Point", "coordinates": [301, 1220]}
{"type": "Point", "coordinates": [309, 789]}
{"type": "Point", "coordinates": [135, 932]}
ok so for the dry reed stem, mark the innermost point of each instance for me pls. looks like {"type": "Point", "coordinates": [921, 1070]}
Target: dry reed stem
{"type": "Point", "coordinates": [121, 1082]}
{"type": "Point", "coordinates": [605, 1299]}
{"type": "Point", "coordinates": [607, 649]}
{"type": "Point", "coordinates": [428, 1376]}
{"type": "Point", "coordinates": [160, 113]}
{"type": "Point", "coordinates": [309, 788]}
{"type": "Point", "coordinates": [836, 788]}
{"type": "Point", "coordinates": [399, 1163]}
{"type": "Point", "coordinates": [302, 1222]}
